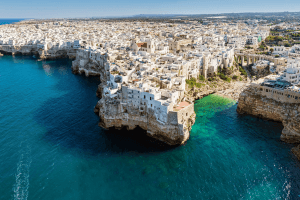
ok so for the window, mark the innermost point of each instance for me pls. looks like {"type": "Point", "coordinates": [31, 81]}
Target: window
{"type": "Point", "coordinates": [150, 98]}
{"type": "Point", "coordinates": [144, 96]}
{"type": "Point", "coordinates": [151, 105]}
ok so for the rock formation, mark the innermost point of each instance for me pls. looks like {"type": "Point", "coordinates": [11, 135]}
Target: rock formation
{"type": "Point", "coordinates": [251, 102]}
{"type": "Point", "coordinates": [118, 109]}
{"type": "Point", "coordinates": [89, 69]}
{"type": "Point", "coordinates": [172, 133]}
{"type": "Point", "coordinates": [33, 50]}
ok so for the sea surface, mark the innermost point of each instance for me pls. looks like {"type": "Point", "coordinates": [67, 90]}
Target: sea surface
{"type": "Point", "coordinates": [9, 21]}
{"type": "Point", "coordinates": [52, 148]}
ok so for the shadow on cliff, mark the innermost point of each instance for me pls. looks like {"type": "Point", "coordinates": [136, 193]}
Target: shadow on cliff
{"type": "Point", "coordinates": [69, 120]}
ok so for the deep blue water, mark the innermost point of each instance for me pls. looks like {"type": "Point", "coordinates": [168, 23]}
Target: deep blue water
{"type": "Point", "coordinates": [51, 146]}
{"type": "Point", "coordinates": [9, 21]}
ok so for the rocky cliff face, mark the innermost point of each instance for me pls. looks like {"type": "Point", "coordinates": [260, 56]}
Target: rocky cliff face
{"type": "Point", "coordinates": [33, 50]}
{"type": "Point", "coordinates": [90, 69]}
{"type": "Point", "coordinates": [18, 50]}
{"type": "Point", "coordinates": [250, 102]}
{"type": "Point", "coordinates": [108, 110]}
{"type": "Point", "coordinates": [111, 112]}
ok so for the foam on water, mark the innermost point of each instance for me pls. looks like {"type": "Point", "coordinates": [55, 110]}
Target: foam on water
{"type": "Point", "coordinates": [22, 176]}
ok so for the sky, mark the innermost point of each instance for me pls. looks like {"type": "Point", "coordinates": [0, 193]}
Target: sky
{"type": "Point", "coordinates": [100, 8]}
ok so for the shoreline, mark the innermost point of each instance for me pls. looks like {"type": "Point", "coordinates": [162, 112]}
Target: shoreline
{"type": "Point", "coordinates": [226, 97]}
{"type": "Point", "coordinates": [251, 102]}
{"type": "Point", "coordinates": [159, 133]}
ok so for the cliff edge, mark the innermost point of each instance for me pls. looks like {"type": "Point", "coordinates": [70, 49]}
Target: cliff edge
{"type": "Point", "coordinates": [252, 102]}
{"type": "Point", "coordinates": [124, 105]}
{"type": "Point", "coordinates": [172, 131]}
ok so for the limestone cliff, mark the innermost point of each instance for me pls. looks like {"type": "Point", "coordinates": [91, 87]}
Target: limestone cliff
{"type": "Point", "coordinates": [253, 103]}
{"type": "Point", "coordinates": [34, 50]}
{"type": "Point", "coordinates": [117, 111]}
{"type": "Point", "coordinates": [91, 68]}
{"type": "Point", "coordinates": [171, 132]}
{"type": "Point", "coordinates": [296, 151]}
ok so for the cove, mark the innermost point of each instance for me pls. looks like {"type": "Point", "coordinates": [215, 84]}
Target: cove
{"type": "Point", "coordinates": [52, 148]}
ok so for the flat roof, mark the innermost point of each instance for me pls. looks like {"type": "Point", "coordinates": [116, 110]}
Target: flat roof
{"type": "Point", "coordinates": [182, 105]}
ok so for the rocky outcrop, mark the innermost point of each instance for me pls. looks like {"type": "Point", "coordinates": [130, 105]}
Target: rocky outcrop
{"type": "Point", "coordinates": [115, 112]}
{"type": "Point", "coordinates": [91, 68]}
{"type": "Point", "coordinates": [228, 90]}
{"type": "Point", "coordinates": [296, 151]}
{"type": "Point", "coordinates": [111, 115]}
{"type": "Point", "coordinates": [41, 54]}
{"type": "Point", "coordinates": [251, 102]}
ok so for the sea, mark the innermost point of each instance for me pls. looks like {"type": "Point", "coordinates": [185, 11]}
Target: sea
{"type": "Point", "coordinates": [9, 21]}
{"type": "Point", "coordinates": [51, 146]}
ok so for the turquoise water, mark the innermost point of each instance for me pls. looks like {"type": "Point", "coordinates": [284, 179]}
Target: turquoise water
{"type": "Point", "coordinates": [52, 148]}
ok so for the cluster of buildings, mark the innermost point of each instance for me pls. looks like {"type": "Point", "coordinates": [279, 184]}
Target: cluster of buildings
{"type": "Point", "coordinates": [143, 66]}
{"type": "Point", "coordinates": [283, 87]}
{"type": "Point", "coordinates": [151, 61]}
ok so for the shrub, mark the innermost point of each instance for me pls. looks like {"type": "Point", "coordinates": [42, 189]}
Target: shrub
{"type": "Point", "coordinates": [241, 79]}
{"type": "Point", "coordinates": [228, 79]}
{"type": "Point", "coordinates": [225, 78]}
{"type": "Point", "coordinates": [222, 76]}
{"type": "Point", "coordinates": [242, 71]}
{"type": "Point", "coordinates": [235, 77]}
{"type": "Point", "coordinates": [201, 78]}
{"type": "Point", "coordinates": [199, 85]}
{"type": "Point", "coordinates": [191, 82]}
{"type": "Point", "coordinates": [274, 38]}
{"type": "Point", "coordinates": [115, 72]}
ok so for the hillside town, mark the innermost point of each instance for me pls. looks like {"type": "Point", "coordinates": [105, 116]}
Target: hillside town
{"type": "Point", "coordinates": [151, 72]}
